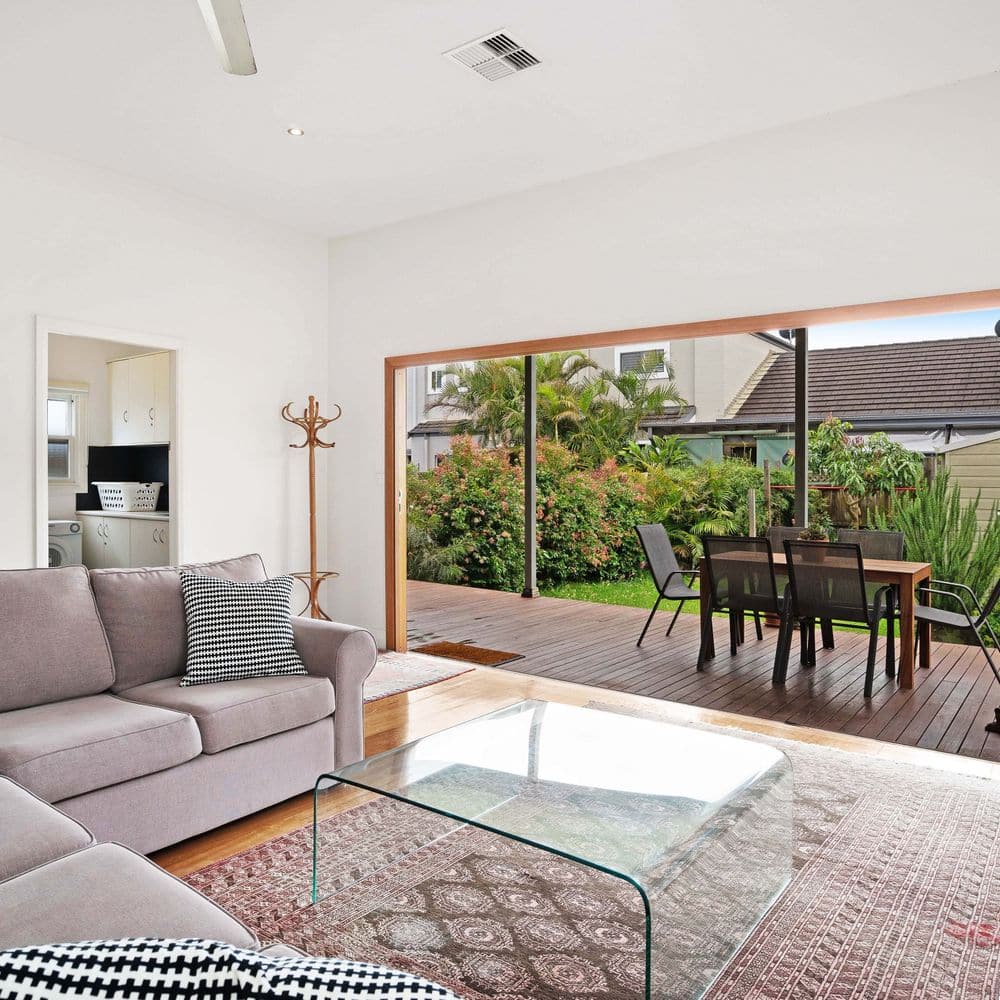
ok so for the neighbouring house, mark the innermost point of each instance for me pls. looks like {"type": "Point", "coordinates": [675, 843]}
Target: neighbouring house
{"type": "Point", "coordinates": [974, 463]}
{"type": "Point", "coordinates": [927, 395]}
{"type": "Point", "coordinates": [709, 373]}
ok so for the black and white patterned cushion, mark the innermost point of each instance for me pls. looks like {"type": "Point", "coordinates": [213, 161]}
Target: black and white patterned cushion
{"type": "Point", "coordinates": [191, 969]}
{"type": "Point", "coordinates": [237, 630]}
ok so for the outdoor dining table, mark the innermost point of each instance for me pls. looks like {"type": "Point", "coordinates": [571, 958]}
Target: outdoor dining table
{"type": "Point", "coordinates": [907, 577]}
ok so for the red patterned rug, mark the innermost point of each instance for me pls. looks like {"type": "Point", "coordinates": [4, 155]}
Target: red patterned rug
{"type": "Point", "coordinates": [896, 896]}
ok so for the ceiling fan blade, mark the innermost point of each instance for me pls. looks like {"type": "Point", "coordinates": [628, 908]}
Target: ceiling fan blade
{"type": "Point", "coordinates": [228, 30]}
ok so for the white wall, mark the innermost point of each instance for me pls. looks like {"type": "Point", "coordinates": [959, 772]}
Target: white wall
{"type": "Point", "coordinates": [893, 200]}
{"type": "Point", "coordinates": [246, 301]}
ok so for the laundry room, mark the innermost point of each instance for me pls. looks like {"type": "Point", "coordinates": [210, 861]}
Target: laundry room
{"type": "Point", "coordinates": [109, 426]}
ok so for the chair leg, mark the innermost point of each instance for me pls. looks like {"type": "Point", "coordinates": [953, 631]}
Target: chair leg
{"type": "Point", "coordinates": [812, 643]}
{"type": "Point", "coordinates": [870, 668]}
{"type": "Point", "coordinates": [826, 629]}
{"type": "Point", "coordinates": [734, 634]}
{"type": "Point", "coordinates": [986, 653]}
{"type": "Point", "coordinates": [706, 633]}
{"type": "Point", "coordinates": [756, 621]}
{"type": "Point", "coordinates": [741, 629]}
{"type": "Point", "coordinates": [673, 621]}
{"type": "Point", "coordinates": [782, 649]}
{"type": "Point", "coordinates": [804, 642]}
{"type": "Point", "coordinates": [890, 635]}
{"type": "Point", "coordinates": [649, 620]}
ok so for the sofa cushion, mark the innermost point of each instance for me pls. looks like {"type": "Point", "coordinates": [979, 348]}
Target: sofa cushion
{"type": "Point", "coordinates": [107, 891]}
{"type": "Point", "coordinates": [71, 747]}
{"type": "Point", "coordinates": [33, 831]}
{"type": "Point", "coordinates": [235, 712]}
{"type": "Point", "coordinates": [53, 643]}
{"type": "Point", "coordinates": [143, 613]}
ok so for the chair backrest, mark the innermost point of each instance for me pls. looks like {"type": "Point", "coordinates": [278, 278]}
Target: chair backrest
{"type": "Point", "coordinates": [660, 554]}
{"type": "Point", "coordinates": [778, 534]}
{"type": "Point", "coordinates": [741, 573]}
{"type": "Point", "coordinates": [827, 580]}
{"type": "Point", "coordinates": [874, 544]}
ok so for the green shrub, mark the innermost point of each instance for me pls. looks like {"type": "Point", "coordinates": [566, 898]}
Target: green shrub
{"type": "Point", "coordinates": [471, 508]}
{"type": "Point", "coordinates": [941, 529]}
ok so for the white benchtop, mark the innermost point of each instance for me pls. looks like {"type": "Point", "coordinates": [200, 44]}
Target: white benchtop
{"type": "Point", "coordinates": [138, 515]}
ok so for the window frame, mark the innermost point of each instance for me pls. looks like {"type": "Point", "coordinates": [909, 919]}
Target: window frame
{"type": "Point", "coordinates": [77, 440]}
{"type": "Point", "coordinates": [662, 345]}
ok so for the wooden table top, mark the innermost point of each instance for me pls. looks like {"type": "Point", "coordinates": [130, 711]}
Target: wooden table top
{"type": "Point", "coordinates": [885, 567]}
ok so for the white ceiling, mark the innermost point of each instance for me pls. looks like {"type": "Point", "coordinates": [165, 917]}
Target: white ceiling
{"type": "Point", "coordinates": [394, 130]}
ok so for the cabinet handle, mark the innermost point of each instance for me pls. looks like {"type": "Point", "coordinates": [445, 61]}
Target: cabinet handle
{"type": "Point", "coordinates": [151, 417]}
{"type": "Point", "coordinates": [156, 536]}
{"type": "Point", "coordinates": [125, 416]}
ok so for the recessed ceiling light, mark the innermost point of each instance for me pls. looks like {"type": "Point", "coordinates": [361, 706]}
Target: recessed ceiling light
{"type": "Point", "coordinates": [295, 130]}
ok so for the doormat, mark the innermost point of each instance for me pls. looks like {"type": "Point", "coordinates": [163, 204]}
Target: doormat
{"type": "Point", "coordinates": [466, 651]}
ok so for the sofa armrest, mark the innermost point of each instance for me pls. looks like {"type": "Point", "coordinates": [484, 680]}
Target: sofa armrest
{"type": "Point", "coordinates": [346, 655]}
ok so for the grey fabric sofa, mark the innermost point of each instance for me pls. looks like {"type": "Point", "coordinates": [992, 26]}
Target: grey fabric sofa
{"type": "Point", "coordinates": [92, 717]}
{"type": "Point", "coordinates": [58, 885]}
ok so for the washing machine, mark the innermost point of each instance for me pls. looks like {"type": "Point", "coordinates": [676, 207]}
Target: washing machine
{"type": "Point", "coordinates": [65, 543]}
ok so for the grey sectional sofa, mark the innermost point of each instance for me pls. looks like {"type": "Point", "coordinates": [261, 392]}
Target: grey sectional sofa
{"type": "Point", "coordinates": [58, 885]}
{"type": "Point", "coordinates": [92, 717]}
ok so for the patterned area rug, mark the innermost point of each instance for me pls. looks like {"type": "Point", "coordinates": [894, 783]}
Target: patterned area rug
{"type": "Point", "coordinates": [398, 672]}
{"type": "Point", "coordinates": [896, 896]}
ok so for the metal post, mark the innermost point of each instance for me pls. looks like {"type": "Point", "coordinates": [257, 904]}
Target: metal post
{"type": "Point", "coordinates": [530, 487]}
{"type": "Point", "coordinates": [802, 427]}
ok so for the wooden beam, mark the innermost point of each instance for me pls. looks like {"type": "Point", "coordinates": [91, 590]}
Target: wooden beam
{"type": "Point", "coordinates": [893, 309]}
{"type": "Point", "coordinates": [395, 508]}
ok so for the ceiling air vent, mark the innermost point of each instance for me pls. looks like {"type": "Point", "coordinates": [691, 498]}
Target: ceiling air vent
{"type": "Point", "coordinates": [493, 56]}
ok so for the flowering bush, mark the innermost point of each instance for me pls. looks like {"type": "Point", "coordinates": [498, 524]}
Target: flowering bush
{"type": "Point", "coordinates": [472, 505]}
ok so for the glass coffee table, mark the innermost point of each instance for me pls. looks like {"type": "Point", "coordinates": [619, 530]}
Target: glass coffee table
{"type": "Point", "coordinates": [697, 823]}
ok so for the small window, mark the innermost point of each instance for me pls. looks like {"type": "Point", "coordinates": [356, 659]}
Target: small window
{"type": "Point", "coordinates": [653, 356]}
{"type": "Point", "coordinates": [66, 425]}
{"type": "Point", "coordinates": [435, 379]}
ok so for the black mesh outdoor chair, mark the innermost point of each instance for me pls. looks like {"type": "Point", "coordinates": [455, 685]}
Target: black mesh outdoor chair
{"type": "Point", "coordinates": [968, 621]}
{"type": "Point", "coordinates": [777, 535]}
{"type": "Point", "coordinates": [826, 581]}
{"type": "Point", "coordinates": [740, 572]}
{"type": "Point", "coordinates": [874, 544]}
{"type": "Point", "coordinates": [671, 582]}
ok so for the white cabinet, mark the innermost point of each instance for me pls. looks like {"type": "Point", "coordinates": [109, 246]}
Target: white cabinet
{"type": "Point", "coordinates": [114, 541]}
{"type": "Point", "coordinates": [106, 542]}
{"type": "Point", "coordinates": [149, 542]}
{"type": "Point", "coordinates": [140, 399]}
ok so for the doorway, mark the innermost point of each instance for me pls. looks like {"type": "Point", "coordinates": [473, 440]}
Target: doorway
{"type": "Point", "coordinates": [106, 447]}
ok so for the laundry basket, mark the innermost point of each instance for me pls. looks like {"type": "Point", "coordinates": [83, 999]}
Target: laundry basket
{"type": "Point", "coordinates": [128, 496]}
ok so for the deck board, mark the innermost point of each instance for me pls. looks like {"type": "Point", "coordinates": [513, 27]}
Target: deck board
{"type": "Point", "coordinates": [595, 644]}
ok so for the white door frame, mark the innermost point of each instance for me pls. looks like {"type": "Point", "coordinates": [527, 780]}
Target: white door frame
{"type": "Point", "coordinates": [46, 325]}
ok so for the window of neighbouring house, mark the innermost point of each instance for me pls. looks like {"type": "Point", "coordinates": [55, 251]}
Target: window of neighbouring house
{"type": "Point", "coordinates": [437, 377]}
{"type": "Point", "coordinates": [66, 427]}
{"type": "Point", "coordinates": [630, 359]}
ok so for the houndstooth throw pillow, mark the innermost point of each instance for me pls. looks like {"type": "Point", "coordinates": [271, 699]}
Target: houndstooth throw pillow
{"type": "Point", "coordinates": [190, 969]}
{"type": "Point", "coordinates": [237, 630]}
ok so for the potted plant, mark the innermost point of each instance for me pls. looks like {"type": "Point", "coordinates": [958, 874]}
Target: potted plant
{"type": "Point", "coordinates": [815, 534]}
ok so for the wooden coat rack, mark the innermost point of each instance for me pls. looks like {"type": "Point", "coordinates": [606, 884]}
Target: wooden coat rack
{"type": "Point", "coordinates": [312, 423]}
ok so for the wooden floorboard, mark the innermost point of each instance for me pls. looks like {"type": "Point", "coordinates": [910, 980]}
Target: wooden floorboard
{"type": "Point", "coordinates": [594, 644]}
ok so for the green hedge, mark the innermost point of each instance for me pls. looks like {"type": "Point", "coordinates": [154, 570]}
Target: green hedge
{"type": "Point", "coordinates": [472, 506]}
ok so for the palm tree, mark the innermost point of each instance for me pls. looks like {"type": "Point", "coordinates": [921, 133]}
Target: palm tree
{"type": "Point", "coordinates": [595, 411]}
{"type": "Point", "coordinates": [614, 404]}
{"type": "Point", "coordinates": [489, 395]}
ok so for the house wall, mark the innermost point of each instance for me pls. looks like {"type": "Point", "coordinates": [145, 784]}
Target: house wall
{"type": "Point", "coordinates": [246, 302]}
{"type": "Point", "coordinates": [976, 468]}
{"type": "Point", "coordinates": [857, 207]}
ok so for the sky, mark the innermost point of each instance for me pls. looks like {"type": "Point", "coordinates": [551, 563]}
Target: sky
{"type": "Point", "coordinates": [937, 327]}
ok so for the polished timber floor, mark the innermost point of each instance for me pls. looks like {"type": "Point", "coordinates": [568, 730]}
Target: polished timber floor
{"type": "Point", "coordinates": [594, 644]}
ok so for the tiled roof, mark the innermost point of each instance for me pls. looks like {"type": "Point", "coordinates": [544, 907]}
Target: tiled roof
{"type": "Point", "coordinates": [931, 376]}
